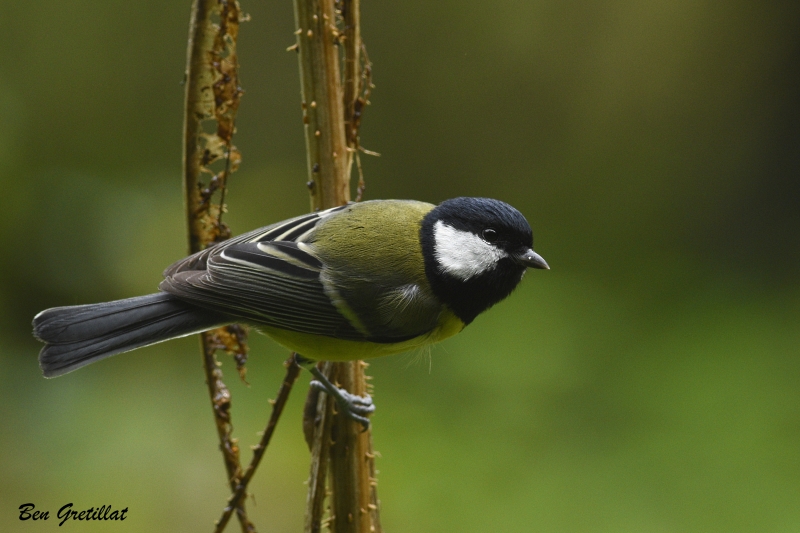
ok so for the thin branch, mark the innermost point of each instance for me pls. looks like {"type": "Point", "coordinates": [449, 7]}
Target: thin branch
{"type": "Point", "coordinates": [292, 371]}
{"type": "Point", "coordinates": [351, 18]}
{"type": "Point", "coordinates": [352, 463]}
{"type": "Point", "coordinates": [212, 95]}
{"type": "Point", "coordinates": [327, 108]}
{"type": "Point", "coordinates": [318, 421]}
{"type": "Point", "coordinates": [221, 404]}
{"type": "Point", "coordinates": [323, 113]}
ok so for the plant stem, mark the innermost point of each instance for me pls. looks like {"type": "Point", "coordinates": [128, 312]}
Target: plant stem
{"type": "Point", "coordinates": [212, 94]}
{"type": "Point", "coordinates": [323, 113]}
{"type": "Point", "coordinates": [336, 440]}
{"type": "Point", "coordinates": [351, 13]}
{"type": "Point", "coordinates": [292, 371]}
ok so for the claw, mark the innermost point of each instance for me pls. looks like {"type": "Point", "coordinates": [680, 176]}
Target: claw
{"type": "Point", "coordinates": [354, 407]}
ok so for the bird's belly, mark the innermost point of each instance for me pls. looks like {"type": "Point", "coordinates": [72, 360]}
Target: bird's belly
{"type": "Point", "coordinates": [324, 348]}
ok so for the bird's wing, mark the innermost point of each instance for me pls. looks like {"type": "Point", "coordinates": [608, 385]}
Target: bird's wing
{"type": "Point", "coordinates": [268, 276]}
{"type": "Point", "coordinates": [291, 230]}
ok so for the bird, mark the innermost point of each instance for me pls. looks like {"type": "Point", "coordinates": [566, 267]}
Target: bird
{"type": "Point", "coordinates": [357, 281]}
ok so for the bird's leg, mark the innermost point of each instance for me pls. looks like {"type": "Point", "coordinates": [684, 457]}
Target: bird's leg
{"type": "Point", "coordinates": [353, 406]}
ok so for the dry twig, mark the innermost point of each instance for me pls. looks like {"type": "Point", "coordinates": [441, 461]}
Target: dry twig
{"type": "Point", "coordinates": [212, 96]}
{"type": "Point", "coordinates": [292, 371]}
{"type": "Point", "coordinates": [331, 132]}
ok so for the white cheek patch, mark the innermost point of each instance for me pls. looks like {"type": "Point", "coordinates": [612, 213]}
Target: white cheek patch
{"type": "Point", "coordinates": [462, 254]}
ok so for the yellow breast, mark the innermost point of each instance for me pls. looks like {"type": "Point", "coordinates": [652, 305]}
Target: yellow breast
{"type": "Point", "coordinates": [323, 348]}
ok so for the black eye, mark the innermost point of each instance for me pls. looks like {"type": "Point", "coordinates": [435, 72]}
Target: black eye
{"type": "Point", "coordinates": [489, 235]}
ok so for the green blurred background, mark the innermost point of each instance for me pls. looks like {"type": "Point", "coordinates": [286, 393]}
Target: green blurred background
{"type": "Point", "coordinates": [647, 383]}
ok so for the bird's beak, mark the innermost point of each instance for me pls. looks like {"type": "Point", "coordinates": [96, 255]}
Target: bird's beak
{"type": "Point", "coordinates": [529, 258]}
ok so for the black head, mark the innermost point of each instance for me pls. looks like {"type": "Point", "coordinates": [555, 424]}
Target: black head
{"type": "Point", "coordinates": [476, 251]}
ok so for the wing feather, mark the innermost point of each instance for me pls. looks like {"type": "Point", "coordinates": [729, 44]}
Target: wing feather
{"type": "Point", "coordinates": [264, 277]}
{"type": "Point", "coordinates": [273, 232]}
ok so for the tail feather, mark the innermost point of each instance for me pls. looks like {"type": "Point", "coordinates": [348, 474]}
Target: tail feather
{"type": "Point", "coordinates": [79, 335]}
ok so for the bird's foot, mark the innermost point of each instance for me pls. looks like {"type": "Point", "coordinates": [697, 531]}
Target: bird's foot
{"type": "Point", "coordinates": [355, 407]}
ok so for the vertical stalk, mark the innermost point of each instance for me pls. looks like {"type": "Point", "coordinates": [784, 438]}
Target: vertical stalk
{"type": "Point", "coordinates": [335, 439]}
{"type": "Point", "coordinates": [353, 482]}
{"type": "Point", "coordinates": [212, 96]}
{"type": "Point", "coordinates": [318, 421]}
{"type": "Point", "coordinates": [323, 113]}
{"type": "Point", "coordinates": [351, 15]}
{"type": "Point", "coordinates": [354, 453]}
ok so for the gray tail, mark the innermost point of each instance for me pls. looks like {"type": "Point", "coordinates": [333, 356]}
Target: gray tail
{"type": "Point", "coordinates": [82, 334]}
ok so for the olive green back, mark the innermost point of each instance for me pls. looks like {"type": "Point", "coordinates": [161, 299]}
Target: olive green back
{"type": "Point", "coordinates": [375, 273]}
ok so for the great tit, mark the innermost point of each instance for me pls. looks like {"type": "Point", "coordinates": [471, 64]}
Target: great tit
{"type": "Point", "coordinates": [353, 282]}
